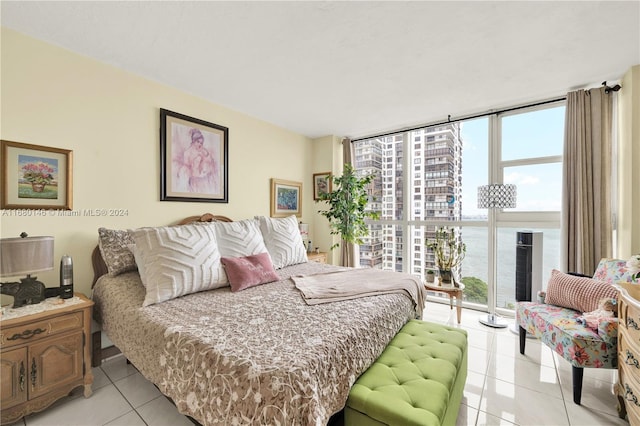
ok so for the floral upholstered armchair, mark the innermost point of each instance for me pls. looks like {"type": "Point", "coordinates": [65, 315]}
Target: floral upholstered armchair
{"type": "Point", "coordinates": [558, 321]}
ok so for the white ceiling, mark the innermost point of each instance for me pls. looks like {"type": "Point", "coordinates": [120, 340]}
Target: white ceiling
{"type": "Point", "coordinates": [350, 68]}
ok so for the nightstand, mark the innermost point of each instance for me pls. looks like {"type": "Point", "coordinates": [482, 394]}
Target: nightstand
{"type": "Point", "coordinates": [45, 354]}
{"type": "Point", "coordinates": [320, 257]}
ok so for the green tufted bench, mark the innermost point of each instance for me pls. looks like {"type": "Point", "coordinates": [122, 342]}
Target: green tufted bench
{"type": "Point", "coordinates": [417, 380]}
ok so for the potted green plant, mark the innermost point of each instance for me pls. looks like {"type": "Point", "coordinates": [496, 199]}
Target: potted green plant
{"type": "Point", "coordinates": [448, 250]}
{"type": "Point", "coordinates": [430, 276]}
{"type": "Point", "coordinates": [347, 204]}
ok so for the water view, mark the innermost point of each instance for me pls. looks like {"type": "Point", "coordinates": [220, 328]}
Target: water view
{"type": "Point", "coordinates": [476, 262]}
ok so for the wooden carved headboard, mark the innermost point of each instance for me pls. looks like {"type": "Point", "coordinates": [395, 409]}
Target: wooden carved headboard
{"type": "Point", "coordinates": [100, 268]}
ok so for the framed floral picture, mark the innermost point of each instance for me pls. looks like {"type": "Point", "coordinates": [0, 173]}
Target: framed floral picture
{"type": "Point", "coordinates": [194, 159]}
{"type": "Point", "coordinates": [321, 184]}
{"type": "Point", "coordinates": [36, 177]}
{"type": "Point", "coordinates": [286, 198]}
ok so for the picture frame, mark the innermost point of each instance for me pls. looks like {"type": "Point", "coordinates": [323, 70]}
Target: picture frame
{"type": "Point", "coordinates": [321, 184]}
{"type": "Point", "coordinates": [286, 198]}
{"type": "Point", "coordinates": [35, 177]}
{"type": "Point", "coordinates": [194, 159]}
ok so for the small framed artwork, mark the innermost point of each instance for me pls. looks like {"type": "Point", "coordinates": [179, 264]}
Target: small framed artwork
{"type": "Point", "coordinates": [36, 177]}
{"type": "Point", "coordinates": [194, 159]}
{"type": "Point", "coordinates": [321, 184]}
{"type": "Point", "coordinates": [286, 198]}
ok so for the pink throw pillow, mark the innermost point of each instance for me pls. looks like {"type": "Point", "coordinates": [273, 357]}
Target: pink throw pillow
{"type": "Point", "coordinates": [578, 293]}
{"type": "Point", "coordinates": [249, 271]}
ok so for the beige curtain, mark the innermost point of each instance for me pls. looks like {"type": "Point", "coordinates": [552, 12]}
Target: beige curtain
{"type": "Point", "coordinates": [587, 230]}
{"type": "Point", "coordinates": [348, 251]}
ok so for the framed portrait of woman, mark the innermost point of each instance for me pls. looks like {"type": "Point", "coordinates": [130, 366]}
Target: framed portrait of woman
{"type": "Point", "coordinates": [194, 159]}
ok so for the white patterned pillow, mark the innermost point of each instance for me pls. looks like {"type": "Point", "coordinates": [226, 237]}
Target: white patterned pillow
{"type": "Point", "coordinates": [283, 240]}
{"type": "Point", "coordinates": [138, 257]}
{"type": "Point", "coordinates": [178, 260]}
{"type": "Point", "coordinates": [239, 239]}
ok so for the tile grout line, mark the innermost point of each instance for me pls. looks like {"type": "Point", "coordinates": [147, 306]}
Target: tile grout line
{"type": "Point", "coordinates": [125, 398]}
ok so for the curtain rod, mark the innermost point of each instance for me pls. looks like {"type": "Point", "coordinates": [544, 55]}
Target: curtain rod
{"type": "Point", "coordinates": [607, 89]}
{"type": "Point", "coordinates": [468, 117]}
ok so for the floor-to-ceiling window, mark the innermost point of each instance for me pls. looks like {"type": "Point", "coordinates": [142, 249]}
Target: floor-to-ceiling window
{"type": "Point", "coordinates": [428, 177]}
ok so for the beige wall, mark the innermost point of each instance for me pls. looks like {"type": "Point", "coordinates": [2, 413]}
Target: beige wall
{"type": "Point", "coordinates": [327, 157]}
{"type": "Point", "coordinates": [110, 119]}
{"type": "Point", "coordinates": [629, 165]}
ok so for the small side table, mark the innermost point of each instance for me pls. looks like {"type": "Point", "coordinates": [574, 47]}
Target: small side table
{"type": "Point", "coordinates": [320, 257]}
{"type": "Point", "coordinates": [452, 291]}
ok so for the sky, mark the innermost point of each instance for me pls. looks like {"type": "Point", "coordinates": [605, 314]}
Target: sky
{"type": "Point", "coordinates": [525, 135]}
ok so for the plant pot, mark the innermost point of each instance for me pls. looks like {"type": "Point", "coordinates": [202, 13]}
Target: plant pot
{"type": "Point", "coordinates": [37, 187]}
{"type": "Point", "coordinates": [445, 277]}
{"type": "Point", "coordinates": [430, 277]}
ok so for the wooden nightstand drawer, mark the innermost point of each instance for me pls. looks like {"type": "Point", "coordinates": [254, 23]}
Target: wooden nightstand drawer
{"type": "Point", "coordinates": [630, 321]}
{"type": "Point", "coordinates": [628, 354]}
{"type": "Point", "coordinates": [628, 386]}
{"type": "Point", "coordinates": [629, 389]}
{"type": "Point", "coordinates": [40, 329]}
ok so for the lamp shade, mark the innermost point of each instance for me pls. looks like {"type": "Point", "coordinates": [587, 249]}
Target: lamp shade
{"type": "Point", "coordinates": [497, 196]}
{"type": "Point", "coordinates": [304, 231]}
{"type": "Point", "coordinates": [20, 256]}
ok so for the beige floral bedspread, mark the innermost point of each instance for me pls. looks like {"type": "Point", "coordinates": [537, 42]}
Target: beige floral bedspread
{"type": "Point", "coordinates": [261, 356]}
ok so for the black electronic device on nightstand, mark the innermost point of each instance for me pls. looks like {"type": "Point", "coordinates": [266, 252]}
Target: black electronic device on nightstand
{"type": "Point", "coordinates": [66, 277]}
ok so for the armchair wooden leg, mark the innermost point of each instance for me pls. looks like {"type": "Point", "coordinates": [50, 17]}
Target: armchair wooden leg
{"type": "Point", "coordinates": [577, 373]}
{"type": "Point", "coordinates": [523, 338]}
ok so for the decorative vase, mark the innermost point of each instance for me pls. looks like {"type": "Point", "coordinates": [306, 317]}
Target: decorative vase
{"type": "Point", "coordinates": [37, 187]}
{"type": "Point", "coordinates": [445, 276]}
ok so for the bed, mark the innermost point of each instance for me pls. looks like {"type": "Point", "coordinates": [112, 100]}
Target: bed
{"type": "Point", "coordinates": [262, 355]}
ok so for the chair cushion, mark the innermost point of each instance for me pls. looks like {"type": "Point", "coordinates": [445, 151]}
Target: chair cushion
{"type": "Point", "coordinates": [412, 382]}
{"type": "Point", "coordinates": [558, 328]}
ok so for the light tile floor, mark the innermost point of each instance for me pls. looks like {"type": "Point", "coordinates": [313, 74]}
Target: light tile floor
{"type": "Point", "coordinates": [503, 387]}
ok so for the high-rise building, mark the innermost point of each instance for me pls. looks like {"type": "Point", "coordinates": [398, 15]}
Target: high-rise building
{"type": "Point", "coordinates": [433, 192]}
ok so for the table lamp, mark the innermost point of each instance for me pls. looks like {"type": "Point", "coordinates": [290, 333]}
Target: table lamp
{"type": "Point", "coordinates": [304, 233]}
{"type": "Point", "coordinates": [25, 255]}
{"type": "Point", "coordinates": [494, 197]}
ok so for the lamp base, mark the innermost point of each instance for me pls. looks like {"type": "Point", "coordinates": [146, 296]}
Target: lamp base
{"type": "Point", "coordinates": [28, 291]}
{"type": "Point", "coordinates": [493, 320]}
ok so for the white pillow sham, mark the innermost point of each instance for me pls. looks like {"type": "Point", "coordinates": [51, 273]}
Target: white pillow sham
{"type": "Point", "coordinates": [239, 239]}
{"type": "Point", "coordinates": [178, 260]}
{"type": "Point", "coordinates": [283, 240]}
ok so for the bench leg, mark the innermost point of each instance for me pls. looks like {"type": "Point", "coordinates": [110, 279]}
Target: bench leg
{"type": "Point", "coordinates": [523, 338]}
{"type": "Point", "coordinates": [577, 373]}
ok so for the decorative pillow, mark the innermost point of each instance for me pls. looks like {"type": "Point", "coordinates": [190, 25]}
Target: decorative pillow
{"type": "Point", "coordinates": [138, 257]}
{"type": "Point", "coordinates": [178, 260]}
{"type": "Point", "coordinates": [113, 247]}
{"type": "Point", "coordinates": [249, 271]}
{"type": "Point", "coordinates": [612, 271]}
{"type": "Point", "coordinates": [283, 240]}
{"type": "Point", "coordinates": [578, 293]}
{"type": "Point", "coordinates": [239, 239]}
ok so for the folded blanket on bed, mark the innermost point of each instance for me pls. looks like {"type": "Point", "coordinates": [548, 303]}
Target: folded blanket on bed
{"type": "Point", "coordinates": [353, 283]}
